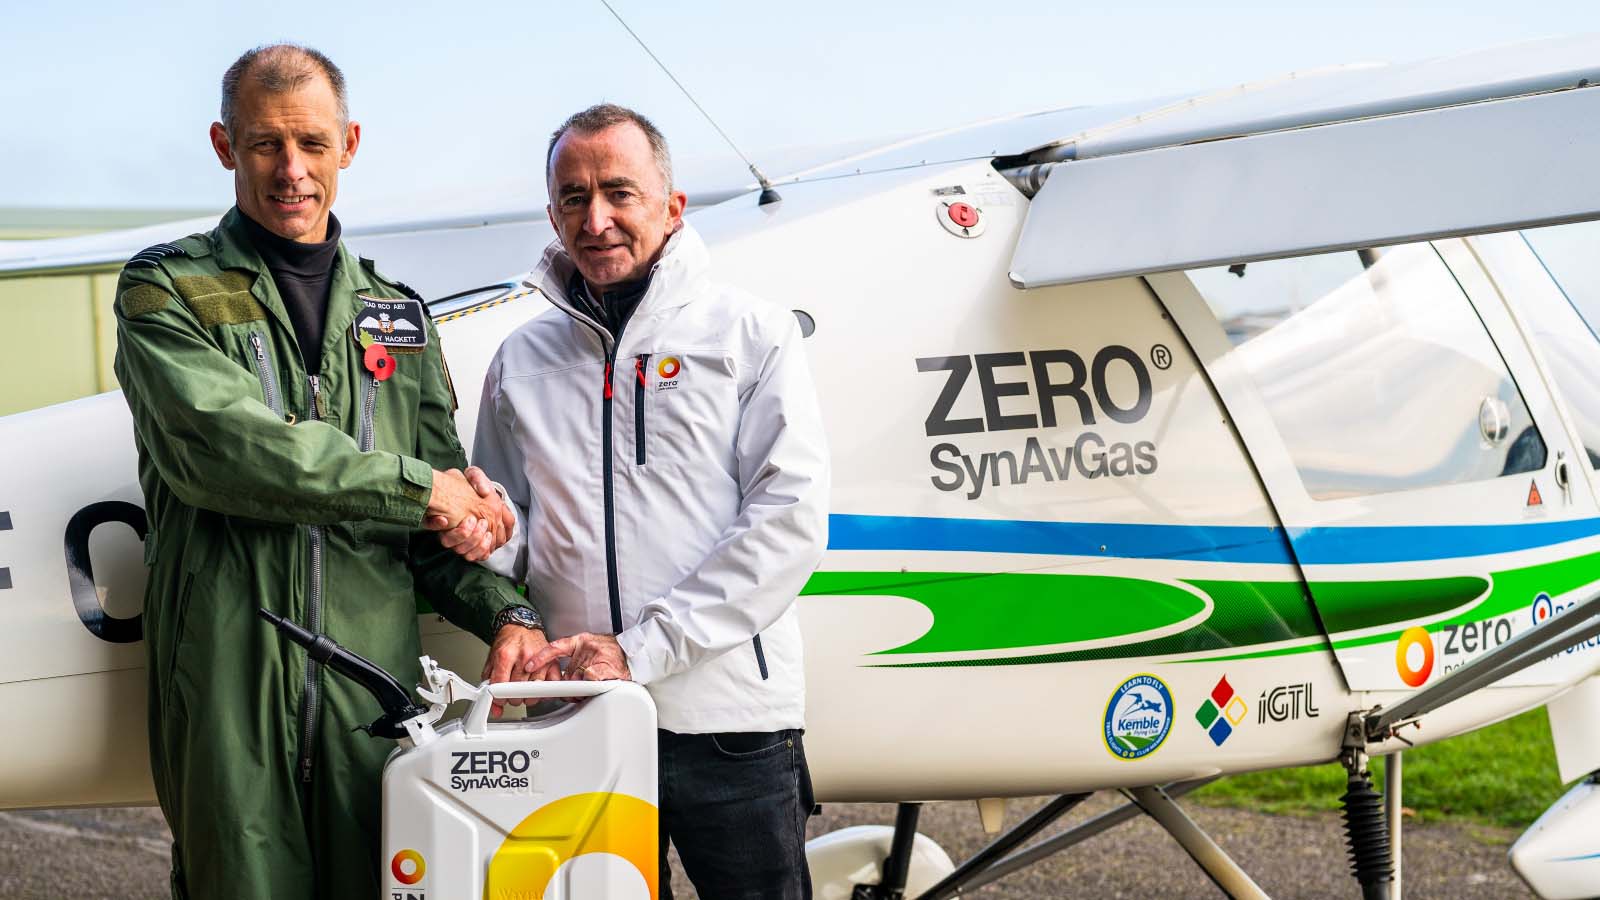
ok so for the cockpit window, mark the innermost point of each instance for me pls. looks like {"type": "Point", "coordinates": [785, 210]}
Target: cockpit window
{"type": "Point", "coordinates": [1375, 369]}
{"type": "Point", "coordinates": [1567, 333]}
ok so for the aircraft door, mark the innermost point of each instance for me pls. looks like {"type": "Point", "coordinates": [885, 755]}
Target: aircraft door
{"type": "Point", "coordinates": [1403, 431]}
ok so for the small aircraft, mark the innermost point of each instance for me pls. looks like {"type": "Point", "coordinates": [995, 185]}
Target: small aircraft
{"type": "Point", "coordinates": [1171, 441]}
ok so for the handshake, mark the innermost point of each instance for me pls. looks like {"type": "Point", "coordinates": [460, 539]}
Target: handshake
{"type": "Point", "coordinates": [468, 513]}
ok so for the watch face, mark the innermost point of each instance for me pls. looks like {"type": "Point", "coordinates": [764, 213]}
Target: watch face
{"type": "Point", "coordinates": [523, 616]}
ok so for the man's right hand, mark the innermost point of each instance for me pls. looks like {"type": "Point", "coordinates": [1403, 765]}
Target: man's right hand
{"type": "Point", "coordinates": [467, 508]}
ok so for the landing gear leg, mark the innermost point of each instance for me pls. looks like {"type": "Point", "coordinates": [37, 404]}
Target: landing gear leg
{"type": "Point", "coordinates": [1365, 826]}
{"type": "Point", "coordinates": [897, 866]}
{"type": "Point", "coordinates": [1392, 794]}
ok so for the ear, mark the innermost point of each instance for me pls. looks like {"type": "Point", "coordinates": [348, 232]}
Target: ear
{"type": "Point", "coordinates": [352, 139]}
{"type": "Point", "coordinates": [676, 201]}
{"type": "Point", "coordinates": [223, 147]}
{"type": "Point", "coordinates": [550, 211]}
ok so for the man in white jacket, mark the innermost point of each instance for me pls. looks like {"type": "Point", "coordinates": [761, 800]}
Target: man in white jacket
{"type": "Point", "coordinates": [658, 436]}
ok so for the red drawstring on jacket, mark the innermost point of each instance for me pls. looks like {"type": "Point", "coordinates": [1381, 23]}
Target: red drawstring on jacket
{"type": "Point", "coordinates": [608, 381]}
{"type": "Point", "coordinates": [638, 368]}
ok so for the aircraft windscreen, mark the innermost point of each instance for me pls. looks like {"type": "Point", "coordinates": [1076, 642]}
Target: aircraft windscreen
{"type": "Point", "coordinates": [1375, 369]}
{"type": "Point", "coordinates": [1572, 348]}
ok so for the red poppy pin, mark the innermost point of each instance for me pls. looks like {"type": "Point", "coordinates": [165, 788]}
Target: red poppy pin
{"type": "Point", "coordinates": [379, 362]}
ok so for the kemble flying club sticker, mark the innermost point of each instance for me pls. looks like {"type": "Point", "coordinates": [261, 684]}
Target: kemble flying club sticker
{"type": "Point", "coordinates": [1138, 717]}
{"type": "Point", "coordinates": [395, 324]}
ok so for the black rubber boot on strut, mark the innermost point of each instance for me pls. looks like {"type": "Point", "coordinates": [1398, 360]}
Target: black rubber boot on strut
{"type": "Point", "coordinates": [1367, 834]}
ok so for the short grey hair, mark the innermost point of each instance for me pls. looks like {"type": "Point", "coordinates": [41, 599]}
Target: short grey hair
{"type": "Point", "coordinates": [604, 115]}
{"type": "Point", "coordinates": [278, 68]}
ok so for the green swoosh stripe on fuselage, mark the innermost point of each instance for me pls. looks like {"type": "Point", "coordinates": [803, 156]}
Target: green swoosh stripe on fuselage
{"type": "Point", "coordinates": [985, 612]}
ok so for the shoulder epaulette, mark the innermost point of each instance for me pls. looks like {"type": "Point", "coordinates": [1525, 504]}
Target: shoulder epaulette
{"type": "Point", "coordinates": [400, 286]}
{"type": "Point", "coordinates": [151, 257]}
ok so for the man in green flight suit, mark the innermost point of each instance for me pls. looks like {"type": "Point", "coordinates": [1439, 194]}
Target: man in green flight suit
{"type": "Point", "coordinates": [293, 418]}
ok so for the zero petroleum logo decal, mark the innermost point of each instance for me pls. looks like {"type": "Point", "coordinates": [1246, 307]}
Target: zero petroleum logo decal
{"type": "Point", "coordinates": [1138, 717]}
{"type": "Point", "coordinates": [669, 367]}
{"type": "Point", "coordinates": [1222, 712]}
{"type": "Point", "coordinates": [407, 867]}
{"type": "Point", "coordinates": [1413, 656]}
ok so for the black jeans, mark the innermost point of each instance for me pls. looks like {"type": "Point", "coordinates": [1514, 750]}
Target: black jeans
{"type": "Point", "coordinates": [735, 805]}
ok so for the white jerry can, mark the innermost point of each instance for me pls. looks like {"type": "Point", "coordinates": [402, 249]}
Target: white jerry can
{"type": "Point", "coordinates": [559, 807]}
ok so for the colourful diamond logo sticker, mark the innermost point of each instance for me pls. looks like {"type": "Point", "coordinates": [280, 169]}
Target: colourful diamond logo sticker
{"type": "Point", "coordinates": [1222, 712]}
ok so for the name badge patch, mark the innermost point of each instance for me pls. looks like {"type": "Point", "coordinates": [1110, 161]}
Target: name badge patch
{"type": "Point", "coordinates": [395, 324]}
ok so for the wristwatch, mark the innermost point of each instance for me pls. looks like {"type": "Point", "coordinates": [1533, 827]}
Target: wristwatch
{"type": "Point", "coordinates": [526, 616]}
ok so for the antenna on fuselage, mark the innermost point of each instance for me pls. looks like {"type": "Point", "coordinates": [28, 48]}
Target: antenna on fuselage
{"type": "Point", "coordinates": [769, 194]}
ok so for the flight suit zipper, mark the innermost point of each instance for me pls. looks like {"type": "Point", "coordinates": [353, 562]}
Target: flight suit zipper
{"type": "Point", "coordinates": [369, 409]}
{"type": "Point", "coordinates": [638, 408]}
{"type": "Point", "coordinates": [308, 709]}
{"type": "Point", "coordinates": [269, 383]}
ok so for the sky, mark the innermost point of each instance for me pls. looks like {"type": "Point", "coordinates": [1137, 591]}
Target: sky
{"type": "Point", "coordinates": [107, 104]}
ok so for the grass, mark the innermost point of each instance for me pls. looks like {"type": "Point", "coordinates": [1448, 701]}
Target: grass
{"type": "Point", "coordinates": [1503, 775]}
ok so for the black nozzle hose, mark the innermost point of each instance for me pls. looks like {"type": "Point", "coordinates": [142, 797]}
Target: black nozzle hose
{"type": "Point", "coordinates": [385, 688]}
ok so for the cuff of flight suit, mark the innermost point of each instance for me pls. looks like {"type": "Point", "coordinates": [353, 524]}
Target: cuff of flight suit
{"type": "Point", "coordinates": [416, 486]}
{"type": "Point", "coordinates": [643, 666]}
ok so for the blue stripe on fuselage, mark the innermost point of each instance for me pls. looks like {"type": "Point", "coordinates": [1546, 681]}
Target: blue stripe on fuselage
{"type": "Point", "coordinates": [1213, 543]}
{"type": "Point", "coordinates": [1209, 543]}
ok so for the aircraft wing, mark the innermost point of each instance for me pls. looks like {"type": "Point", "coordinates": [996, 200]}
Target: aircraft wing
{"type": "Point", "coordinates": [1401, 154]}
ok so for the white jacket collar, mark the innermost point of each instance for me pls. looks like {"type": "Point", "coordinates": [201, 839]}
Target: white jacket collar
{"type": "Point", "coordinates": [684, 261]}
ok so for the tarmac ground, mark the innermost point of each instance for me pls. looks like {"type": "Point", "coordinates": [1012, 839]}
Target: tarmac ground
{"type": "Point", "coordinates": [89, 854]}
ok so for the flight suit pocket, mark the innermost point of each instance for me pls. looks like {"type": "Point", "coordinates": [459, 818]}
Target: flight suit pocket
{"type": "Point", "coordinates": [396, 538]}
{"type": "Point", "coordinates": [174, 641]}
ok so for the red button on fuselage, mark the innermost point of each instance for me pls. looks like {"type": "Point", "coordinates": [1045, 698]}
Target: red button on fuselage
{"type": "Point", "coordinates": [963, 214]}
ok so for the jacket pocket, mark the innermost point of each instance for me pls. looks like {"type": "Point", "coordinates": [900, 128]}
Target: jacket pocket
{"type": "Point", "coordinates": [761, 656]}
{"type": "Point", "coordinates": [638, 408]}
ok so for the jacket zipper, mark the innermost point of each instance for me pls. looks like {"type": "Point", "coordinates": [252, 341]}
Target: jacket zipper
{"type": "Point", "coordinates": [607, 476]}
{"type": "Point", "coordinates": [269, 383]}
{"type": "Point", "coordinates": [610, 501]}
{"type": "Point", "coordinates": [308, 718]}
{"type": "Point", "coordinates": [369, 409]}
{"type": "Point", "coordinates": [638, 408]}
{"type": "Point", "coordinates": [761, 658]}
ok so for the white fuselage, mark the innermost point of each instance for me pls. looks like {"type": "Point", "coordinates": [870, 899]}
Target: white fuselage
{"type": "Point", "coordinates": [1039, 495]}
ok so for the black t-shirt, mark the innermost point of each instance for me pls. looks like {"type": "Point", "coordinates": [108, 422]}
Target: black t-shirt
{"type": "Point", "coordinates": [303, 273]}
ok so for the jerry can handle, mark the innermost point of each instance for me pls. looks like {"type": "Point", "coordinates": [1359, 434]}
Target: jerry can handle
{"type": "Point", "coordinates": [476, 722]}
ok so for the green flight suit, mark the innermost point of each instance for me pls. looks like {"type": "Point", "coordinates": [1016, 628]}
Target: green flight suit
{"type": "Point", "coordinates": [257, 495]}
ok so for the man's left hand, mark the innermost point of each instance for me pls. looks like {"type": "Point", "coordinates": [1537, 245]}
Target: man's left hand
{"type": "Point", "coordinates": [594, 657]}
{"type": "Point", "coordinates": [515, 648]}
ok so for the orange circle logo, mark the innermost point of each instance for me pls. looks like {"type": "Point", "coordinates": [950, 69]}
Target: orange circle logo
{"type": "Point", "coordinates": [669, 367]}
{"type": "Point", "coordinates": [1413, 656]}
{"type": "Point", "coordinates": [407, 867]}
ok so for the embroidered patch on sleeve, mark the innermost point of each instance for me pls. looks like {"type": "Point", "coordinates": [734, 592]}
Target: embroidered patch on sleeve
{"type": "Point", "coordinates": [396, 324]}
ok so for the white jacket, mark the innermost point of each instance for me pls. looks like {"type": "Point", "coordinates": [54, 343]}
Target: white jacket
{"type": "Point", "coordinates": [718, 474]}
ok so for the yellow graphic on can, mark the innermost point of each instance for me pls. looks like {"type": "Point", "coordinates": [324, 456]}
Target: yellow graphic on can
{"type": "Point", "coordinates": [599, 822]}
